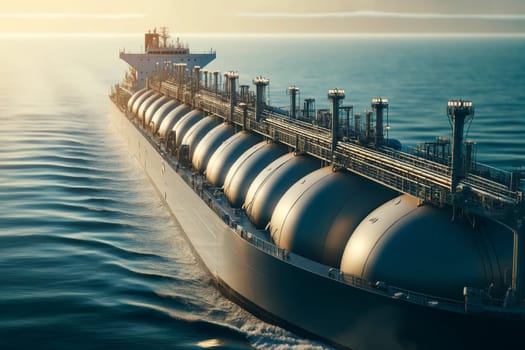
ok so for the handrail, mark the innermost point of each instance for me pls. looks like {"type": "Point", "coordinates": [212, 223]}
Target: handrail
{"type": "Point", "coordinates": [374, 162]}
{"type": "Point", "coordinates": [425, 179]}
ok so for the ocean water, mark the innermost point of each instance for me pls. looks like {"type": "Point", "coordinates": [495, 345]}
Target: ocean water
{"type": "Point", "coordinates": [89, 256]}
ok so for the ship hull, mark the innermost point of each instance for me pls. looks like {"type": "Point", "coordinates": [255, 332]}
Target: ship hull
{"type": "Point", "coordinates": [293, 296]}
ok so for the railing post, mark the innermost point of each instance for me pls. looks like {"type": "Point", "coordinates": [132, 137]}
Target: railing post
{"type": "Point", "coordinates": [518, 262]}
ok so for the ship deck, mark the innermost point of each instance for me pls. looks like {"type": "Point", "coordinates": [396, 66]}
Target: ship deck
{"type": "Point", "coordinates": [260, 239]}
{"type": "Point", "coordinates": [352, 298]}
{"type": "Point", "coordinates": [490, 192]}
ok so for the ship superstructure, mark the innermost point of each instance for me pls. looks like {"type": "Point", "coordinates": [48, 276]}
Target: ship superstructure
{"type": "Point", "coordinates": [160, 54]}
{"type": "Point", "coordinates": [316, 220]}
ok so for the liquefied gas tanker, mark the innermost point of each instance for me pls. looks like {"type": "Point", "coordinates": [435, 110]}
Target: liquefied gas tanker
{"type": "Point", "coordinates": [314, 220]}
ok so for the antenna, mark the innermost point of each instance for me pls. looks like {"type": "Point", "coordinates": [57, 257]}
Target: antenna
{"type": "Point", "coordinates": [164, 35]}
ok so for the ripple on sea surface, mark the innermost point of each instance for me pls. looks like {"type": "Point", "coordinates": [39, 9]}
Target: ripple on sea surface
{"type": "Point", "coordinates": [89, 256]}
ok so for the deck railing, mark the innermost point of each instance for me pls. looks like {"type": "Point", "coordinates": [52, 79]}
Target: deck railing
{"type": "Point", "coordinates": [360, 160]}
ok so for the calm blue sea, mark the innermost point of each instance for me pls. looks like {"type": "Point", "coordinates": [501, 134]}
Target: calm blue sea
{"type": "Point", "coordinates": [90, 258]}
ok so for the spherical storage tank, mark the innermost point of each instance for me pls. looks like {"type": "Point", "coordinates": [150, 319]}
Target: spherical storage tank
{"type": "Point", "coordinates": [196, 133]}
{"type": "Point", "coordinates": [161, 113]}
{"type": "Point", "coordinates": [135, 96]}
{"type": "Point", "coordinates": [139, 100]}
{"type": "Point", "coordinates": [420, 248]}
{"type": "Point", "coordinates": [226, 154]}
{"type": "Point", "coordinates": [209, 143]}
{"type": "Point", "coordinates": [185, 123]}
{"type": "Point", "coordinates": [247, 167]}
{"type": "Point", "coordinates": [171, 118]}
{"type": "Point", "coordinates": [271, 184]}
{"type": "Point", "coordinates": [317, 215]}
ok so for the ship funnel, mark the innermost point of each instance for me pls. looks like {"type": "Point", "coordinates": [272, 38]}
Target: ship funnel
{"type": "Point", "coordinates": [335, 96]}
{"type": "Point", "coordinates": [459, 112]}
{"type": "Point", "coordinates": [294, 91]}
{"type": "Point", "coordinates": [151, 41]}
{"type": "Point", "coordinates": [379, 105]}
{"type": "Point", "coordinates": [260, 83]}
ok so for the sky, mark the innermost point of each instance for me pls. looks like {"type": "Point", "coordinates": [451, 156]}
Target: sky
{"type": "Point", "coordinates": [268, 16]}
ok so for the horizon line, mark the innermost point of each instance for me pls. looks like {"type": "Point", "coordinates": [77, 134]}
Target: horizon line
{"type": "Point", "coordinates": [110, 35]}
{"type": "Point", "coordinates": [384, 15]}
